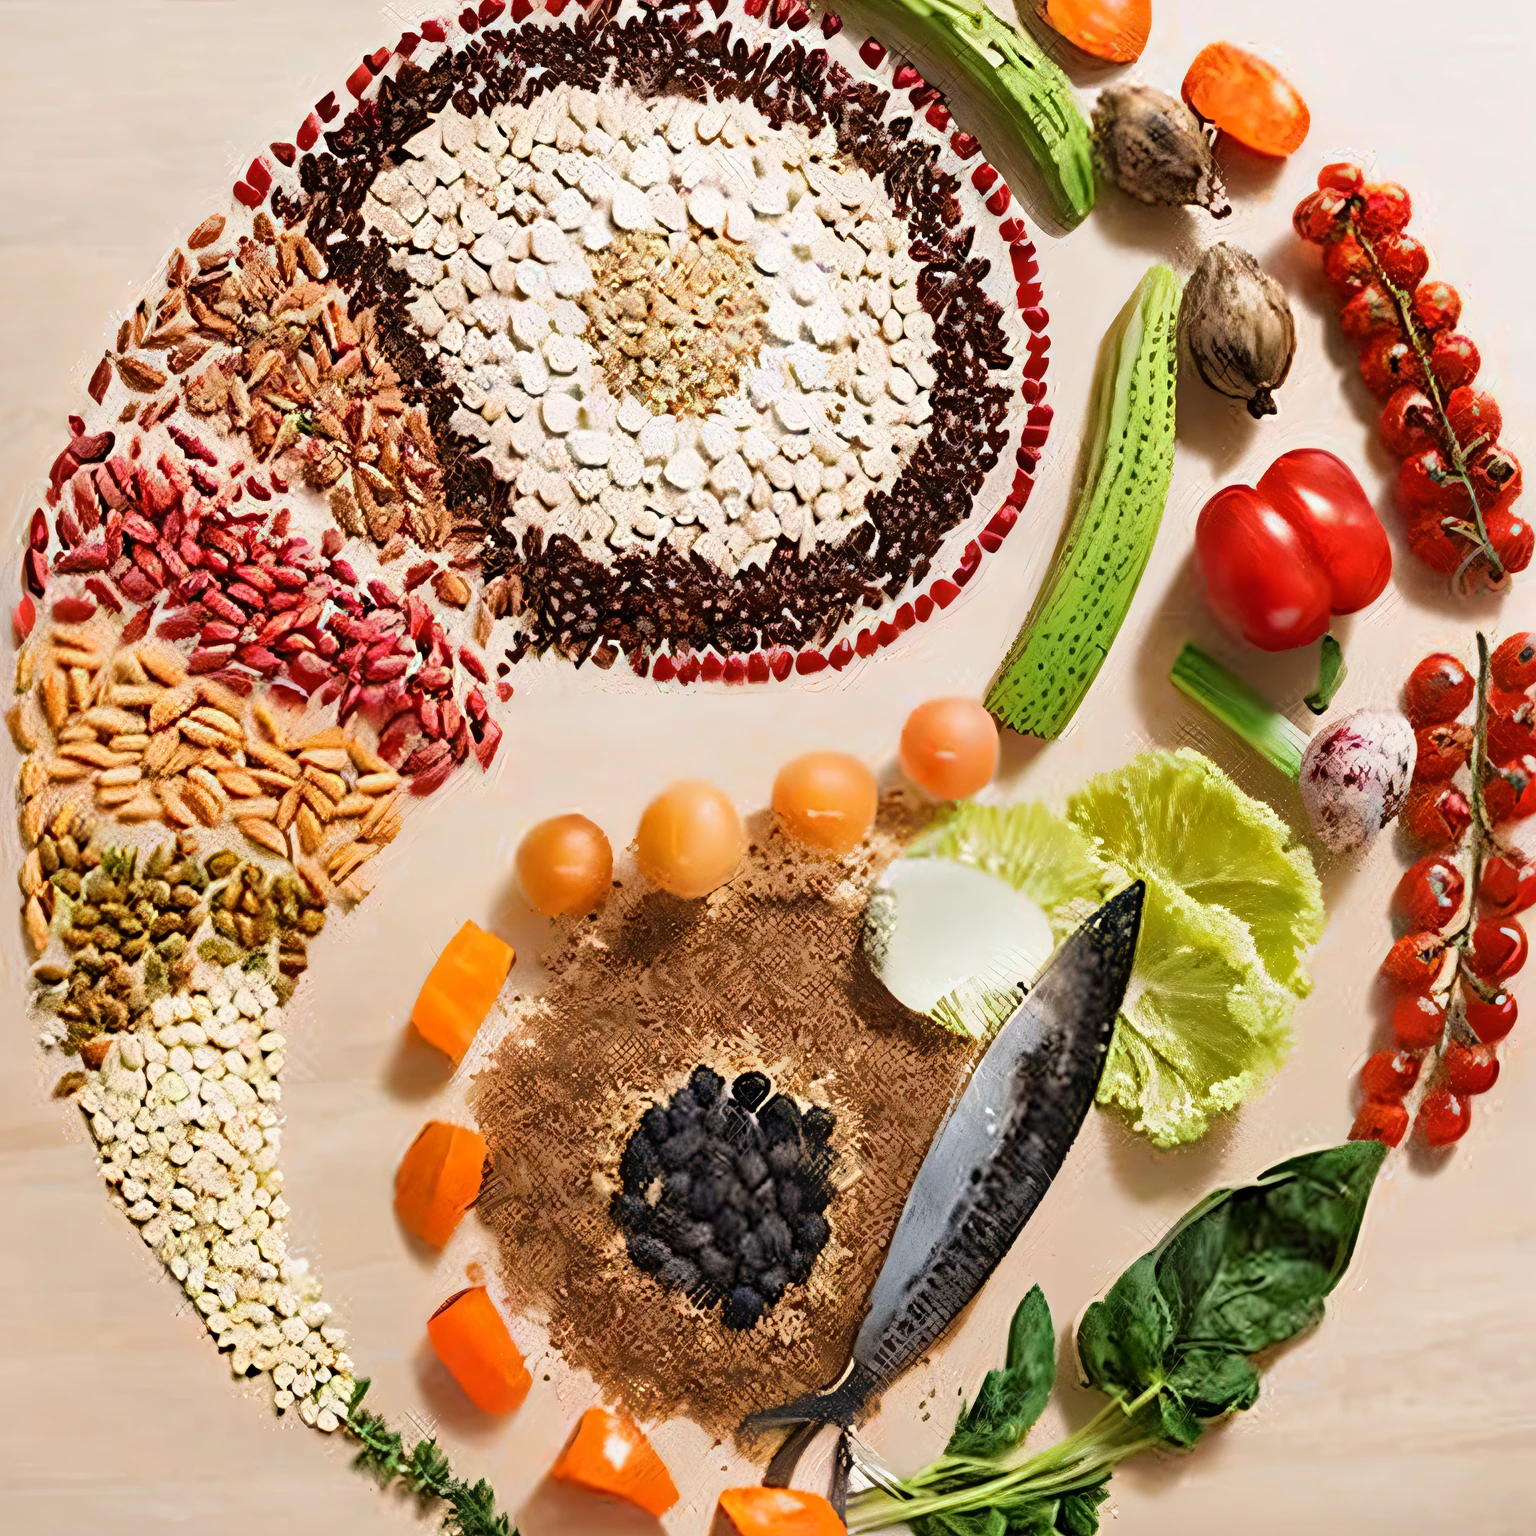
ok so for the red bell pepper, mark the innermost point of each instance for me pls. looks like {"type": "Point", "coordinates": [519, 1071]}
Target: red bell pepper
{"type": "Point", "coordinates": [1280, 559]}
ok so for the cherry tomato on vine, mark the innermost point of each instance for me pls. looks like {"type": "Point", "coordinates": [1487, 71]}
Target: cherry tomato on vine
{"type": "Point", "coordinates": [1474, 414]}
{"type": "Point", "coordinates": [1444, 1117]}
{"type": "Point", "coordinates": [1437, 815]}
{"type": "Point", "coordinates": [1436, 305]}
{"type": "Point", "coordinates": [1341, 176]}
{"type": "Point", "coordinates": [1418, 1022]}
{"type": "Point", "coordinates": [1498, 948]}
{"type": "Point", "coordinates": [1507, 887]}
{"type": "Point", "coordinates": [1470, 1069]}
{"type": "Point", "coordinates": [1512, 731]}
{"type": "Point", "coordinates": [1438, 690]}
{"type": "Point", "coordinates": [1388, 209]}
{"type": "Point", "coordinates": [1513, 663]}
{"type": "Point", "coordinates": [1347, 266]}
{"type": "Point", "coordinates": [1388, 1075]}
{"type": "Point", "coordinates": [1414, 961]}
{"type": "Point", "coordinates": [1509, 790]}
{"type": "Point", "coordinates": [1408, 422]}
{"type": "Point", "coordinates": [1430, 542]}
{"type": "Point", "coordinates": [1513, 538]}
{"type": "Point", "coordinates": [1443, 749]}
{"type": "Point", "coordinates": [1430, 892]}
{"type": "Point", "coordinates": [1426, 482]}
{"type": "Point", "coordinates": [1454, 360]}
{"type": "Point", "coordinates": [1380, 1122]}
{"type": "Point", "coordinates": [1492, 1018]}
{"type": "Point", "coordinates": [1388, 363]}
{"type": "Point", "coordinates": [1403, 259]}
{"type": "Point", "coordinates": [1370, 313]}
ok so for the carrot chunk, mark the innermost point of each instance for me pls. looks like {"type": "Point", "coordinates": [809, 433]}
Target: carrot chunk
{"type": "Point", "coordinates": [775, 1512]}
{"type": "Point", "coordinates": [609, 1454]}
{"type": "Point", "coordinates": [438, 1180]}
{"type": "Point", "coordinates": [460, 989]}
{"type": "Point", "coordinates": [472, 1341]}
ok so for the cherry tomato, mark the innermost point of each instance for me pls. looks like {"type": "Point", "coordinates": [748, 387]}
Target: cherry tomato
{"type": "Point", "coordinates": [1507, 886]}
{"type": "Point", "coordinates": [1369, 314]}
{"type": "Point", "coordinates": [1414, 961]}
{"type": "Point", "coordinates": [1474, 414]}
{"type": "Point", "coordinates": [1513, 662]}
{"type": "Point", "coordinates": [1438, 690]}
{"type": "Point", "coordinates": [1436, 305]}
{"type": "Point", "coordinates": [1499, 948]}
{"type": "Point", "coordinates": [1442, 750]}
{"type": "Point", "coordinates": [1388, 1075]}
{"type": "Point", "coordinates": [1437, 816]}
{"type": "Point", "coordinates": [1347, 266]}
{"type": "Point", "coordinates": [1430, 893]}
{"type": "Point", "coordinates": [1341, 176]}
{"type": "Point", "coordinates": [1509, 790]}
{"type": "Point", "coordinates": [1470, 1069]}
{"type": "Point", "coordinates": [1427, 483]}
{"type": "Point", "coordinates": [826, 800]}
{"type": "Point", "coordinates": [1388, 363]}
{"type": "Point", "coordinates": [565, 865]}
{"type": "Point", "coordinates": [1430, 542]}
{"type": "Point", "coordinates": [950, 747]}
{"type": "Point", "coordinates": [1418, 1022]}
{"type": "Point", "coordinates": [1317, 215]}
{"type": "Point", "coordinates": [1388, 209]}
{"type": "Point", "coordinates": [1444, 1117]}
{"type": "Point", "coordinates": [1380, 1122]}
{"type": "Point", "coordinates": [1454, 360]}
{"type": "Point", "coordinates": [1496, 476]}
{"type": "Point", "coordinates": [1259, 575]}
{"type": "Point", "coordinates": [1512, 537]}
{"type": "Point", "coordinates": [1403, 259]}
{"type": "Point", "coordinates": [1490, 1018]}
{"type": "Point", "coordinates": [1408, 422]}
{"type": "Point", "coordinates": [1512, 732]}
{"type": "Point", "coordinates": [1317, 493]}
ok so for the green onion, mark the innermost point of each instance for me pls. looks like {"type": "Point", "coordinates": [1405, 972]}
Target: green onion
{"type": "Point", "coordinates": [1246, 713]}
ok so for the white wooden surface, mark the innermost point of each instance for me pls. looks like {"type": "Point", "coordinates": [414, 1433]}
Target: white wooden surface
{"type": "Point", "coordinates": [1412, 1409]}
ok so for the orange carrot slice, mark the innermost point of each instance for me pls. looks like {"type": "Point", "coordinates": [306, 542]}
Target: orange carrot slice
{"type": "Point", "coordinates": [775, 1512]}
{"type": "Point", "coordinates": [472, 1341]}
{"type": "Point", "coordinates": [460, 989]}
{"type": "Point", "coordinates": [438, 1180]}
{"type": "Point", "coordinates": [609, 1454]}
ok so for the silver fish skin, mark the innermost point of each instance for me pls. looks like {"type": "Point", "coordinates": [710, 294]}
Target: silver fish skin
{"type": "Point", "coordinates": [992, 1161]}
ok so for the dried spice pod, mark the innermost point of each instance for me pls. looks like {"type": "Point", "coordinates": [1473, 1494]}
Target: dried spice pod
{"type": "Point", "coordinates": [1236, 328]}
{"type": "Point", "coordinates": [1153, 148]}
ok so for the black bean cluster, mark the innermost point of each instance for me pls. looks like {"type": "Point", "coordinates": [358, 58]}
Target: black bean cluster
{"type": "Point", "coordinates": [724, 1193]}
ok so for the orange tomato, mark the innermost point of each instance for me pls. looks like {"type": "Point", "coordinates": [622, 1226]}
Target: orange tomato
{"type": "Point", "coordinates": [826, 800]}
{"type": "Point", "coordinates": [949, 747]}
{"type": "Point", "coordinates": [690, 839]}
{"type": "Point", "coordinates": [1108, 29]}
{"type": "Point", "coordinates": [609, 1454]}
{"type": "Point", "coordinates": [1247, 97]}
{"type": "Point", "coordinates": [565, 865]}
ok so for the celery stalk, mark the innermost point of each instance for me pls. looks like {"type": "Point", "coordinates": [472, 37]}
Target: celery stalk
{"type": "Point", "coordinates": [1247, 714]}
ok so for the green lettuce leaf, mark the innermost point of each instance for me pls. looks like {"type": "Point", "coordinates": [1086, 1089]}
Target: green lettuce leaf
{"type": "Point", "coordinates": [1177, 817]}
{"type": "Point", "coordinates": [1203, 1025]}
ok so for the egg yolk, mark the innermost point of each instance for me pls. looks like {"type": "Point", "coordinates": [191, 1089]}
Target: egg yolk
{"type": "Point", "coordinates": [949, 747]}
{"type": "Point", "coordinates": [690, 840]}
{"type": "Point", "coordinates": [565, 865]}
{"type": "Point", "coordinates": [826, 800]}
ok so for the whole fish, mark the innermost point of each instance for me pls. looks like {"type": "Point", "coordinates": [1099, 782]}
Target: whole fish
{"type": "Point", "coordinates": [988, 1168]}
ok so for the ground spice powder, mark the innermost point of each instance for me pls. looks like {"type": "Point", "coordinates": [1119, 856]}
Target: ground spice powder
{"type": "Point", "coordinates": [769, 973]}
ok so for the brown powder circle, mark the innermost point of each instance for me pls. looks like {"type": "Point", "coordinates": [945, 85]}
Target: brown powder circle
{"type": "Point", "coordinates": [768, 973]}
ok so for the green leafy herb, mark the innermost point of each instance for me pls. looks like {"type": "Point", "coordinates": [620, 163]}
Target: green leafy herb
{"type": "Point", "coordinates": [423, 1471]}
{"type": "Point", "coordinates": [1170, 1345]}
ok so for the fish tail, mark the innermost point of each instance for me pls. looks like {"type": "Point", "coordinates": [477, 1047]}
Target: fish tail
{"type": "Point", "coordinates": [842, 1406]}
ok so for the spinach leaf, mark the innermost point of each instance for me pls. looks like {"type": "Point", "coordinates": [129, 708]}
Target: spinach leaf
{"type": "Point", "coordinates": [968, 1522]}
{"type": "Point", "coordinates": [1012, 1399]}
{"type": "Point", "coordinates": [1123, 1340]}
{"type": "Point", "coordinates": [1247, 1268]}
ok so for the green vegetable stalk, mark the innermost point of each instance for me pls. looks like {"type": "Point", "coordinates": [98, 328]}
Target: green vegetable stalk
{"type": "Point", "coordinates": [1243, 710]}
{"type": "Point", "coordinates": [1171, 1346]}
{"type": "Point", "coordinates": [1104, 550]}
{"type": "Point", "coordinates": [1032, 94]}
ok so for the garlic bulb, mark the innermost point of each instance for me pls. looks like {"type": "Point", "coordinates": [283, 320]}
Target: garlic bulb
{"type": "Point", "coordinates": [1153, 148]}
{"type": "Point", "coordinates": [1236, 327]}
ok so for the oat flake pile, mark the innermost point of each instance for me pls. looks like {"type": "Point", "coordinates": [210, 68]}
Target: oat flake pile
{"type": "Point", "coordinates": [628, 333]}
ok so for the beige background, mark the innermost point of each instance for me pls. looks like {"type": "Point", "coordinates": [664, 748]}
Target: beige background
{"type": "Point", "coordinates": [1413, 1409]}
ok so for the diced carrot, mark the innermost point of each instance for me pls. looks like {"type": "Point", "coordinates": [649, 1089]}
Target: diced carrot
{"type": "Point", "coordinates": [775, 1512]}
{"type": "Point", "coordinates": [472, 1341]}
{"type": "Point", "coordinates": [460, 989]}
{"type": "Point", "coordinates": [609, 1454]}
{"type": "Point", "coordinates": [438, 1180]}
